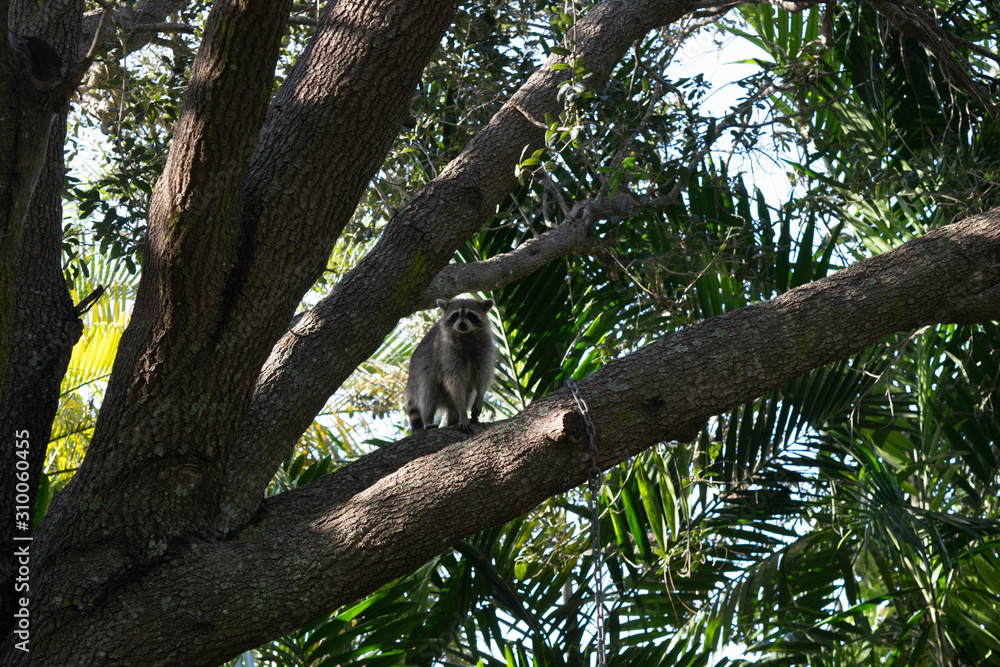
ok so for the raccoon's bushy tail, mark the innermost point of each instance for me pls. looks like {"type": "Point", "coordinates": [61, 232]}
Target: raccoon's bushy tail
{"type": "Point", "coordinates": [413, 412]}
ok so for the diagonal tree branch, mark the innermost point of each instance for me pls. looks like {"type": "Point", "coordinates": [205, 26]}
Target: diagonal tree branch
{"type": "Point", "coordinates": [571, 237]}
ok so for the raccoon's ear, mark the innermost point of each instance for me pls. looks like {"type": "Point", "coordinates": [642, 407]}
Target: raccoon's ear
{"type": "Point", "coordinates": [486, 304]}
{"type": "Point", "coordinates": [442, 304]}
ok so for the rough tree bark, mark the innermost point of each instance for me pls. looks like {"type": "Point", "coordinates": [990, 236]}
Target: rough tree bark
{"type": "Point", "coordinates": [34, 302]}
{"type": "Point", "coordinates": [162, 550]}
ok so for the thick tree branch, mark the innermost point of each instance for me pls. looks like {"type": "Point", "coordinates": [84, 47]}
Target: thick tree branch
{"type": "Point", "coordinates": [389, 512]}
{"type": "Point", "coordinates": [27, 111]}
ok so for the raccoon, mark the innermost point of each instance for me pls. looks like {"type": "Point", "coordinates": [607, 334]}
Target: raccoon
{"type": "Point", "coordinates": [452, 366]}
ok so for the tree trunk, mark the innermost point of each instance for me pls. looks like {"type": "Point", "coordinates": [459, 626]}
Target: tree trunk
{"type": "Point", "coordinates": [35, 302]}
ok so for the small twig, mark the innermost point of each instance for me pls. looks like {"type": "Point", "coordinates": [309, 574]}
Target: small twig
{"type": "Point", "coordinates": [99, 33]}
{"type": "Point", "coordinates": [728, 122]}
{"type": "Point", "coordinates": [547, 184]}
{"type": "Point", "coordinates": [531, 119]}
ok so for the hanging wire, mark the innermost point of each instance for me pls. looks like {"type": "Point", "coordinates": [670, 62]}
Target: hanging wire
{"type": "Point", "coordinates": [594, 482]}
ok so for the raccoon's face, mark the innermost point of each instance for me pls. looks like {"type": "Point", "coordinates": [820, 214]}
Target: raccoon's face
{"type": "Point", "coordinates": [465, 315]}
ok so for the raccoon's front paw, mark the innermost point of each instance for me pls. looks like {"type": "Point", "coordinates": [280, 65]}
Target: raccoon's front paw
{"type": "Point", "coordinates": [427, 426]}
{"type": "Point", "coordinates": [465, 428]}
